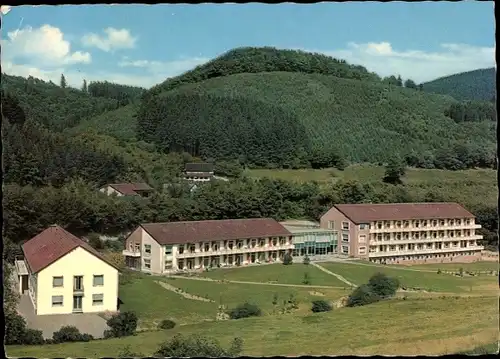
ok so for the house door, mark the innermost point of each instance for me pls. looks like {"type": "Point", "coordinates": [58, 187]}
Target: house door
{"type": "Point", "coordinates": [77, 303]}
{"type": "Point", "coordinates": [24, 283]}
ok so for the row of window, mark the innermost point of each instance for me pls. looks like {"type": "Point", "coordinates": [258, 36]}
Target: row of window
{"type": "Point", "coordinates": [422, 223]}
{"type": "Point", "coordinates": [420, 257]}
{"type": "Point", "coordinates": [58, 281]}
{"type": "Point", "coordinates": [410, 247]}
{"type": "Point", "coordinates": [58, 300]}
{"type": "Point", "coordinates": [421, 235]}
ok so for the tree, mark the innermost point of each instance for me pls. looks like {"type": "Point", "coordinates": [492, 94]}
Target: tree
{"type": "Point", "coordinates": [63, 82]}
{"type": "Point", "coordinates": [84, 86]}
{"type": "Point", "coordinates": [394, 170]}
{"type": "Point", "coordinates": [409, 83]}
{"type": "Point", "coordinates": [122, 324]}
{"type": "Point", "coordinates": [383, 286]}
{"type": "Point", "coordinates": [287, 259]}
{"type": "Point", "coordinates": [321, 306]}
{"type": "Point", "coordinates": [362, 295]}
{"type": "Point", "coordinates": [197, 346]}
{"type": "Point", "coordinates": [244, 311]}
{"type": "Point", "coordinates": [421, 87]}
{"type": "Point", "coordinates": [399, 81]}
{"type": "Point", "coordinates": [127, 352]}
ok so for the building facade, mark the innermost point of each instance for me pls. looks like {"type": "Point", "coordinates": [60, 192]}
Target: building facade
{"type": "Point", "coordinates": [168, 247]}
{"type": "Point", "coordinates": [309, 239]}
{"type": "Point", "coordinates": [198, 172]}
{"type": "Point", "coordinates": [127, 189]}
{"type": "Point", "coordinates": [62, 275]}
{"type": "Point", "coordinates": [405, 233]}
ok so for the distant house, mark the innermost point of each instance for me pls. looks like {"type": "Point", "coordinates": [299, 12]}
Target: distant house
{"type": "Point", "coordinates": [62, 274]}
{"type": "Point", "coordinates": [198, 172]}
{"type": "Point", "coordinates": [128, 189]}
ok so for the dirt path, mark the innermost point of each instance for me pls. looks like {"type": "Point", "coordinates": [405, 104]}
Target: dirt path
{"type": "Point", "coordinates": [338, 276]}
{"type": "Point", "coordinates": [256, 283]}
{"type": "Point", "coordinates": [181, 292]}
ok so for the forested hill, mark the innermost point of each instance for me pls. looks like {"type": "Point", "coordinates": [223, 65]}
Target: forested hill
{"type": "Point", "coordinates": [473, 85]}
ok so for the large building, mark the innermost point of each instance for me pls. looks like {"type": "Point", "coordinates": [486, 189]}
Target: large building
{"type": "Point", "coordinates": [198, 172]}
{"type": "Point", "coordinates": [62, 274]}
{"type": "Point", "coordinates": [128, 189]}
{"type": "Point", "coordinates": [309, 239]}
{"type": "Point", "coordinates": [166, 247]}
{"type": "Point", "coordinates": [408, 232]}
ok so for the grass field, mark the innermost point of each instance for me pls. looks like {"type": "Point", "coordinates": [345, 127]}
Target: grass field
{"type": "Point", "coordinates": [360, 274]}
{"type": "Point", "coordinates": [276, 273]}
{"type": "Point", "coordinates": [471, 187]}
{"type": "Point", "coordinates": [414, 326]}
{"type": "Point", "coordinates": [476, 266]}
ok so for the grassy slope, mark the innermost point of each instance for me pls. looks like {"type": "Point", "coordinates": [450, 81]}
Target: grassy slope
{"type": "Point", "coordinates": [367, 120]}
{"type": "Point", "coordinates": [472, 85]}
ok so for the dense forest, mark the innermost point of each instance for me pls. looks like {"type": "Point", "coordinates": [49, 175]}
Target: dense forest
{"type": "Point", "coordinates": [477, 85]}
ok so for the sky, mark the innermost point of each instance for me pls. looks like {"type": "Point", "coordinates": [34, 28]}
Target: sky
{"type": "Point", "coordinates": [143, 45]}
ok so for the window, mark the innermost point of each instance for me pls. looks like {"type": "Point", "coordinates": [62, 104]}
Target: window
{"type": "Point", "coordinates": [168, 265]}
{"type": "Point", "coordinates": [168, 250]}
{"type": "Point", "coordinates": [147, 263]}
{"type": "Point", "coordinates": [97, 299]}
{"type": "Point", "coordinates": [379, 225]}
{"type": "Point", "coordinates": [398, 224]}
{"type": "Point", "coordinates": [364, 226]}
{"type": "Point", "coordinates": [206, 247]}
{"type": "Point", "coordinates": [424, 223]}
{"type": "Point", "coordinates": [362, 238]}
{"type": "Point", "coordinates": [345, 249]}
{"type": "Point", "coordinates": [345, 237]}
{"type": "Point", "coordinates": [57, 300]}
{"type": "Point", "coordinates": [331, 225]}
{"type": "Point", "coordinates": [98, 280]}
{"type": "Point", "coordinates": [147, 248]}
{"type": "Point", "coordinates": [345, 226]}
{"type": "Point", "coordinates": [181, 249]}
{"type": "Point", "coordinates": [57, 282]}
{"type": "Point", "coordinates": [379, 236]}
{"type": "Point", "coordinates": [387, 224]}
{"type": "Point", "coordinates": [441, 222]}
{"type": "Point", "coordinates": [362, 250]}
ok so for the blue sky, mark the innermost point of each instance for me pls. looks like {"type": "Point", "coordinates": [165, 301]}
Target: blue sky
{"type": "Point", "coordinates": [144, 44]}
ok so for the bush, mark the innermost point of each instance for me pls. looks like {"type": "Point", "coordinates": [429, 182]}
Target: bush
{"type": "Point", "coordinates": [166, 324]}
{"type": "Point", "coordinates": [70, 333]}
{"type": "Point", "coordinates": [244, 311]}
{"type": "Point", "coordinates": [127, 352]}
{"type": "Point", "coordinates": [197, 346]}
{"type": "Point", "coordinates": [306, 260]}
{"type": "Point", "coordinates": [382, 285]}
{"type": "Point", "coordinates": [307, 279]}
{"type": "Point", "coordinates": [15, 327]}
{"type": "Point", "coordinates": [122, 324]}
{"type": "Point", "coordinates": [33, 337]}
{"type": "Point", "coordinates": [439, 271]}
{"type": "Point", "coordinates": [362, 295]}
{"type": "Point", "coordinates": [287, 259]}
{"type": "Point", "coordinates": [321, 306]}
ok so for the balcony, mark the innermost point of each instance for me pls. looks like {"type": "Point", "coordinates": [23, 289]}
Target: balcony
{"type": "Point", "coordinates": [78, 289]}
{"type": "Point", "coordinates": [424, 240]}
{"type": "Point", "coordinates": [424, 251]}
{"type": "Point", "coordinates": [227, 251]}
{"type": "Point", "coordinates": [129, 253]}
{"type": "Point", "coordinates": [427, 228]}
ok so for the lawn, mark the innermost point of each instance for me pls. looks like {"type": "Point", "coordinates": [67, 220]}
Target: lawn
{"type": "Point", "coordinates": [476, 266]}
{"type": "Point", "coordinates": [232, 294]}
{"type": "Point", "coordinates": [276, 273]}
{"type": "Point", "coordinates": [406, 327]}
{"type": "Point", "coordinates": [471, 187]}
{"type": "Point", "coordinates": [360, 274]}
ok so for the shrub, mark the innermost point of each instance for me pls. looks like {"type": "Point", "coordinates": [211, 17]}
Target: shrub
{"type": "Point", "coordinates": [166, 324]}
{"type": "Point", "coordinates": [122, 324]}
{"type": "Point", "coordinates": [439, 271]}
{"type": "Point", "coordinates": [197, 346]}
{"type": "Point", "coordinates": [362, 295]}
{"type": "Point", "coordinates": [33, 337]}
{"type": "Point", "coordinates": [382, 285]}
{"type": "Point", "coordinates": [306, 260]}
{"type": "Point", "coordinates": [128, 353]}
{"type": "Point", "coordinates": [307, 279]}
{"type": "Point", "coordinates": [287, 259]}
{"type": "Point", "coordinates": [244, 311]}
{"type": "Point", "coordinates": [321, 306]}
{"type": "Point", "coordinates": [15, 327]}
{"type": "Point", "coordinates": [70, 333]}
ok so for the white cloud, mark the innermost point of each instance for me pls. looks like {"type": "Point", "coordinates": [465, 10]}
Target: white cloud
{"type": "Point", "coordinates": [5, 9]}
{"type": "Point", "coordinates": [41, 46]}
{"type": "Point", "coordinates": [112, 39]}
{"type": "Point", "coordinates": [165, 69]}
{"type": "Point", "coordinates": [421, 66]}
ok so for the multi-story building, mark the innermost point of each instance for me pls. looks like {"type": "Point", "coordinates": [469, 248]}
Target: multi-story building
{"type": "Point", "coordinates": [309, 239]}
{"type": "Point", "coordinates": [198, 172]}
{"type": "Point", "coordinates": [167, 247]}
{"type": "Point", "coordinates": [127, 189]}
{"type": "Point", "coordinates": [62, 274]}
{"type": "Point", "coordinates": [408, 232]}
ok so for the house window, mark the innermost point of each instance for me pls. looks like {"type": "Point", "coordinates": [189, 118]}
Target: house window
{"type": "Point", "coordinates": [57, 300]}
{"type": "Point", "coordinates": [387, 237]}
{"type": "Point", "coordinates": [362, 250]}
{"type": "Point", "coordinates": [379, 225]}
{"type": "Point", "coordinates": [168, 250]}
{"type": "Point", "coordinates": [406, 224]}
{"type": "Point", "coordinates": [416, 224]}
{"type": "Point", "coordinates": [57, 281]}
{"type": "Point", "coordinates": [345, 249]}
{"type": "Point", "coordinates": [330, 224]}
{"type": "Point", "coordinates": [364, 226]}
{"type": "Point", "coordinates": [424, 223]}
{"type": "Point", "coordinates": [387, 224]}
{"type": "Point", "coordinates": [98, 280]}
{"type": "Point", "coordinates": [147, 249]}
{"type": "Point", "coordinates": [206, 247]}
{"type": "Point", "coordinates": [181, 249]}
{"type": "Point", "coordinates": [168, 265]}
{"type": "Point", "coordinates": [345, 237]}
{"type": "Point", "coordinates": [97, 299]}
{"type": "Point", "coordinates": [379, 236]}
{"type": "Point", "coordinates": [398, 224]}
{"type": "Point", "coordinates": [362, 238]}
{"type": "Point", "coordinates": [441, 222]}
{"type": "Point", "coordinates": [147, 263]}
{"type": "Point", "coordinates": [192, 248]}
{"type": "Point", "coordinates": [345, 226]}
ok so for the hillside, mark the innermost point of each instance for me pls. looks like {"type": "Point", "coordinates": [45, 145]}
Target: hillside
{"type": "Point", "coordinates": [473, 85]}
{"type": "Point", "coordinates": [364, 121]}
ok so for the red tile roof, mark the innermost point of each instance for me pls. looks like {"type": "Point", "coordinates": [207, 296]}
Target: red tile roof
{"type": "Point", "coordinates": [361, 213]}
{"type": "Point", "coordinates": [130, 188]}
{"type": "Point", "coordinates": [214, 230]}
{"type": "Point", "coordinates": [52, 244]}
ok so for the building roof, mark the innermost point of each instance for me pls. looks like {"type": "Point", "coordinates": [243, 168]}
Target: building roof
{"type": "Point", "coordinates": [361, 213]}
{"type": "Point", "coordinates": [52, 244]}
{"type": "Point", "coordinates": [214, 230]}
{"type": "Point", "coordinates": [130, 188]}
{"type": "Point", "coordinates": [300, 223]}
{"type": "Point", "coordinates": [199, 174]}
{"type": "Point", "coordinates": [199, 167]}
{"type": "Point", "coordinates": [302, 230]}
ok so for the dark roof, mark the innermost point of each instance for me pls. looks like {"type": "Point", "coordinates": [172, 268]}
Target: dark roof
{"type": "Point", "coordinates": [200, 174]}
{"type": "Point", "coordinates": [214, 230]}
{"type": "Point", "coordinates": [52, 244]}
{"type": "Point", "coordinates": [359, 213]}
{"type": "Point", "coordinates": [130, 188]}
{"type": "Point", "coordinates": [199, 167]}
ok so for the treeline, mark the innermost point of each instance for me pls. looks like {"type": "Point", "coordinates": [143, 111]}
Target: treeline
{"type": "Point", "coordinates": [266, 59]}
{"type": "Point", "coordinates": [55, 107]}
{"type": "Point", "coordinates": [472, 111]}
{"type": "Point", "coordinates": [82, 209]}
{"type": "Point", "coordinates": [123, 94]}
